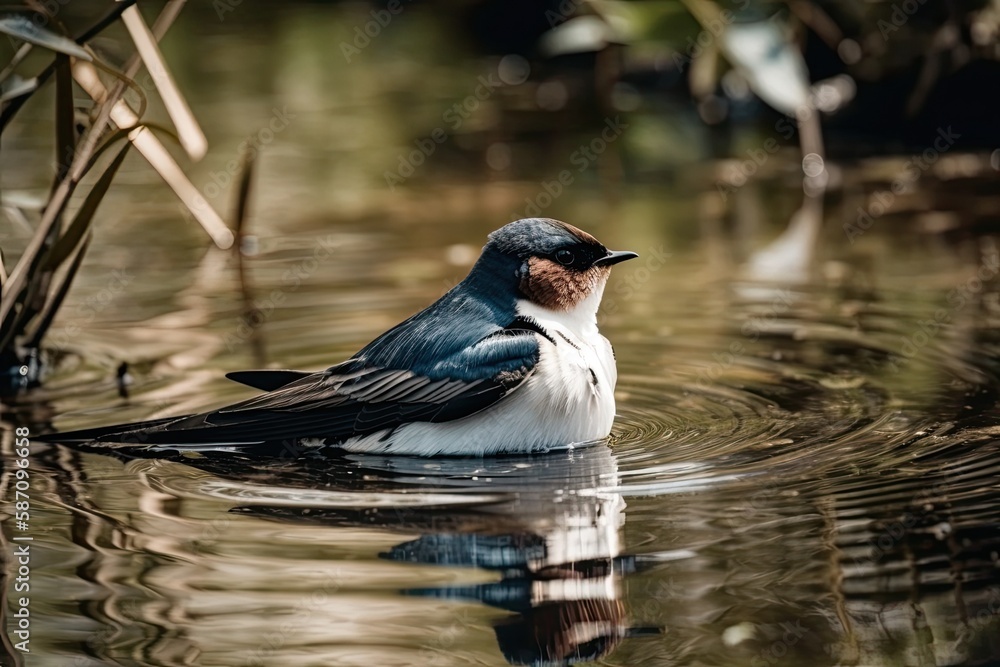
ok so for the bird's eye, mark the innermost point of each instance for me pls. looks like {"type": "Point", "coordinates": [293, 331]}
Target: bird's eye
{"type": "Point", "coordinates": [565, 257]}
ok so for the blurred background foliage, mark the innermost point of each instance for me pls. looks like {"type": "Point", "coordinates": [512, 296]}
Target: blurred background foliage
{"type": "Point", "coordinates": [419, 104]}
{"type": "Point", "coordinates": [895, 71]}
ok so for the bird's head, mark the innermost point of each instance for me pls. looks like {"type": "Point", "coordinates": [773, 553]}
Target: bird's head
{"type": "Point", "coordinates": [557, 265]}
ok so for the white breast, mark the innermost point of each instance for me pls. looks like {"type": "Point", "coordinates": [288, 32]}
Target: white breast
{"type": "Point", "coordinates": [569, 398]}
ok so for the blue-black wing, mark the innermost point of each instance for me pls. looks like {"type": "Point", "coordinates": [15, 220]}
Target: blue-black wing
{"type": "Point", "coordinates": [359, 396]}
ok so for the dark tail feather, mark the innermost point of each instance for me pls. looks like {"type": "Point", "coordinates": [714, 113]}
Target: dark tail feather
{"type": "Point", "coordinates": [267, 380]}
{"type": "Point", "coordinates": [129, 434]}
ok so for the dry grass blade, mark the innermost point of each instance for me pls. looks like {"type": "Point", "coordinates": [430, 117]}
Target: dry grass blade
{"type": "Point", "coordinates": [65, 135]}
{"type": "Point", "coordinates": [32, 272]}
{"type": "Point", "coordinates": [17, 283]}
{"type": "Point", "coordinates": [12, 206]}
{"type": "Point", "coordinates": [27, 30]}
{"type": "Point", "coordinates": [160, 27]}
{"type": "Point", "coordinates": [15, 87]}
{"type": "Point", "coordinates": [45, 263]}
{"type": "Point", "coordinates": [12, 107]}
{"type": "Point", "coordinates": [166, 17]}
{"type": "Point", "coordinates": [24, 279]}
{"type": "Point", "coordinates": [192, 138]}
{"type": "Point", "coordinates": [57, 296]}
{"type": "Point", "coordinates": [161, 160]}
{"type": "Point", "coordinates": [33, 298]}
{"type": "Point", "coordinates": [31, 295]}
{"type": "Point", "coordinates": [81, 222]}
{"type": "Point", "coordinates": [19, 55]}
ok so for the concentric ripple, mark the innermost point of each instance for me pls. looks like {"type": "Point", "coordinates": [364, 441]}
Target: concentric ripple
{"type": "Point", "coordinates": [811, 454]}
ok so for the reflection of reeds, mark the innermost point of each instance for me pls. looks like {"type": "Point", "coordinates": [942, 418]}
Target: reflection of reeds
{"type": "Point", "coordinates": [251, 315]}
{"type": "Point", "coordinates": [33, 290]}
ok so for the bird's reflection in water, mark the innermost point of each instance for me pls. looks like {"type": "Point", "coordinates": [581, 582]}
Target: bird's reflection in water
{"type": "Point", "coordinates": [553, 539]}
{"type": "Point", "coordinates": [547, 525]}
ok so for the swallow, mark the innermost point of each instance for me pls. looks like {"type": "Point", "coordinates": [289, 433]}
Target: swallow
{"type": "Point", "coordinates": [508, 361]}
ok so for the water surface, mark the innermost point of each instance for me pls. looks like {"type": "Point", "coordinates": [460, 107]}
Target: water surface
{"type": "Point", "coordinates": [803, 471]}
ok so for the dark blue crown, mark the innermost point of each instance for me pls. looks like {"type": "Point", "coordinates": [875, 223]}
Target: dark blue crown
{"type": "Point", "coordinates": [536, 236]}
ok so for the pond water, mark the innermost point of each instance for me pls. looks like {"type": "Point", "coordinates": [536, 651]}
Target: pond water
{"type": "Point", "coordinates": [804, 469]}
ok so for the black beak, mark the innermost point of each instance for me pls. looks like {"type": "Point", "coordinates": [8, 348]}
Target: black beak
{"type": "Point", "coordinates": [615, 256]}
